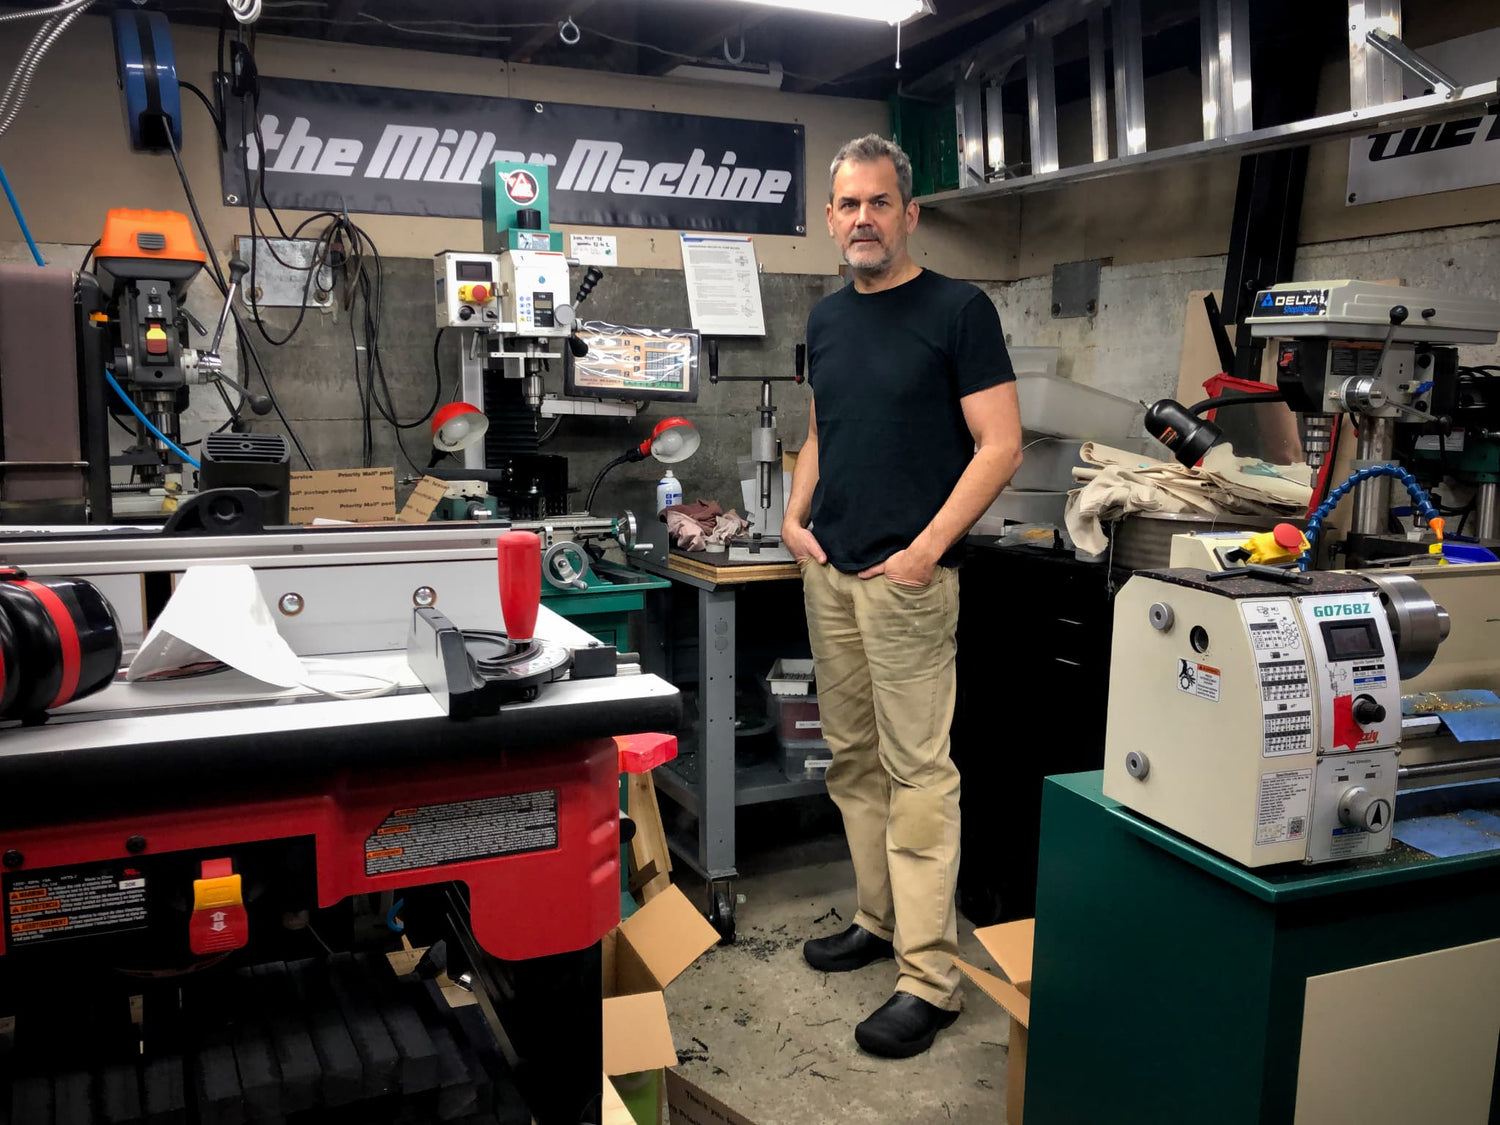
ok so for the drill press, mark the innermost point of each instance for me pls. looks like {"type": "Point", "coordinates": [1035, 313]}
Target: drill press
{"type": "Point", "coordinates": [763, 544]}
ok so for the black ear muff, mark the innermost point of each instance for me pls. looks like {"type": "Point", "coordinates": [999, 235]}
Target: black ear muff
{"type": "Point", "coordinates": [63, 644]}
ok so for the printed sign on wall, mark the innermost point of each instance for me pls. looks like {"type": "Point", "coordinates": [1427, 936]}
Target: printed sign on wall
{"type": "Point", "coordinates": [329, 146]}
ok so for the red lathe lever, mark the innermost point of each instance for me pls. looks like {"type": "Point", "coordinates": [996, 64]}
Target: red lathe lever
{"type": "Point", "coordinates": [520, 559]}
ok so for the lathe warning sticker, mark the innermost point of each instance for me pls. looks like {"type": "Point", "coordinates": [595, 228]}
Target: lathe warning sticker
{"type": "Point", "coordinates": [1198, 679]}
{"type": "Point", "coordinates": [74, 902]}
{"type": "Point", "coordinates": [1281, 811]}
{"type": "Point", "coordinates": [434, 835]}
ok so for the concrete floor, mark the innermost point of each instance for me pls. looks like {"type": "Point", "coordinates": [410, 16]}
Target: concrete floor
{"type": "Point", "coordinates": [763, 1032]}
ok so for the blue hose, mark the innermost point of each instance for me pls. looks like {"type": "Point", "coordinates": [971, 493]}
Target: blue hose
{"type": "Point", "coordinates": [1418, 496]}
{"type": "Point", "coordinates": [136, 410]}
{"type": "Point", "coordinates": [21, 219]}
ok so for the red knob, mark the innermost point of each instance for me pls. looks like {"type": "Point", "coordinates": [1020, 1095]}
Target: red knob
{"type": "Point", "coordinates": [520, 558]}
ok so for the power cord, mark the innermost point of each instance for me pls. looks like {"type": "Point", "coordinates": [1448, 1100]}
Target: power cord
{"type": "Point", "coordinates": [246, 349]}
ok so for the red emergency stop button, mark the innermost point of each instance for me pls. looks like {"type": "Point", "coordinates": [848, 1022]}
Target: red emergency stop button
{"type": "Point", "coordinates": [218, 923]}
{"type": "Point", "coordinates": [1287, 537]}
{"type": "Point", "coordinates": [475, 294]}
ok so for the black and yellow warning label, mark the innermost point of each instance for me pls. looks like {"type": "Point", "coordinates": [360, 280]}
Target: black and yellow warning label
{"type": "Point", "coordinates": [73, 902]}
{"type": "Point", "coordinates": [434, 835]}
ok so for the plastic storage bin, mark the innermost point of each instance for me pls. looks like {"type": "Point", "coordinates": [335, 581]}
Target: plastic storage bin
{"type": "Point", "coordinates": [1059, 407]}
{"type": "Point", "coordinates": [805, 759]}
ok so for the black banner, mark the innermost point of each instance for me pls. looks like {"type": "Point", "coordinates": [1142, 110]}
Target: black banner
{"type": "Point", "coordinates": [332, 147]}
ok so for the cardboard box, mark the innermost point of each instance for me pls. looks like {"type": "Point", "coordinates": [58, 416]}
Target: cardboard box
{"type": "Point", "coordinates": [689, 1104]}
{"type": "Point", "coordinates": [353, 495]}
{"type": "Point", "coordinates": [645, 953]}
{"type": "Point", "coordinates": [1010, 944]}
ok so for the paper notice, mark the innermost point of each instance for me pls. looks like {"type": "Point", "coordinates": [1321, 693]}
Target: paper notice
{"type": "Point", "coordinates": [593, 249]}
{"type": "Point", "coordinates": [723, 285]}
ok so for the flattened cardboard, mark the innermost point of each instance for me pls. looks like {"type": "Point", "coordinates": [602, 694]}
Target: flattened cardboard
{"type": "Point", "coordinates": [354, 495]}
{"type": "Point", "coordinates": [637, 1035]}
{"type": "Point", "coordinates": [689, 1104]}
{"type": "Point", "coordinates": [1007, 995]}
{"type": "Point", "coordinates": [668, 934]}
{"type": "Point", "coordinates": [614, 1109]}
{"type": "Point", "coordinates": [1011, 945]}
{"type": "Point", "coordinates": [423, 501]}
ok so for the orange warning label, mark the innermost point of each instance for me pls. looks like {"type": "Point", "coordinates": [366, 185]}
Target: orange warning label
{"type": "Point", "coordinates": [384, 853]}
{"type": "Point", "coordinates": [42, 924]}
{"type": "Point", "coordinates": [393, 830]}
{"type": "Point", "coordinates": [22, 896]}
{"type": "Point", "coordinates": [36, 904]}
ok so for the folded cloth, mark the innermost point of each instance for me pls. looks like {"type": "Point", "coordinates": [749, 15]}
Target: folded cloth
{"type": "Point", "coordinates": [702, 535]}
{"type": "Point", "coordinates": [705, 512]}
{"type": "Point", "coordinates": [1126, 483]}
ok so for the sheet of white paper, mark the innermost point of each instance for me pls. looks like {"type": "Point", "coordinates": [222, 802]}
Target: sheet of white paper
{"type": "Point", "coordinates": [593, 249]}
{"type": "Point", "coordinates": [723, 285]}
{"type": "Point", "coordinates": [218, 613]}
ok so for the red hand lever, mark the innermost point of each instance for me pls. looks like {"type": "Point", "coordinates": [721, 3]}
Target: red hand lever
{"type": "Point", "coordinates": [520, 558]}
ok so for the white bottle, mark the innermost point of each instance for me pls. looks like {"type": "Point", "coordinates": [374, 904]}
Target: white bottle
{"type": "Point", "coordinates": [668, 491]}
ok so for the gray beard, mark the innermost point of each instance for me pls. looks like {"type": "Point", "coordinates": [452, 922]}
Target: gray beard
{"type": "Point", "coordinates": [875, 269]}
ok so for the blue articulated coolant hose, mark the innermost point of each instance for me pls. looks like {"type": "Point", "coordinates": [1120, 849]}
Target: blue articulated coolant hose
{"type": "Point", "coordinates": [20, 218]}
{"type": "Point", "coordinates": [136, 410]}
{"type": "Point", "coordinates": [1419, 500]}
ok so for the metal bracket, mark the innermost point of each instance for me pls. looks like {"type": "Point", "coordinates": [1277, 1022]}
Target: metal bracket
{"type": "Point", "coordinates": [1403, 56]}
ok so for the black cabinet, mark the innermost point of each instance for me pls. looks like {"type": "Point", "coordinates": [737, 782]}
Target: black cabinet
{"type": "Point", "coordinates": [1033, 688]}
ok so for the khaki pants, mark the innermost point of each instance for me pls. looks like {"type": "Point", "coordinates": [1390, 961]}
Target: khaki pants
{"type": "Point", "coordinates": [884, 657]}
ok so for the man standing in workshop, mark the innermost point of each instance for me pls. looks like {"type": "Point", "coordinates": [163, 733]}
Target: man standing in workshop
{"type": "Point", "coordinates": [913, 432]}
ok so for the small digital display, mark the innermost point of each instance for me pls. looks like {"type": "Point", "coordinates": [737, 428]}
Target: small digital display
{"type": "Point", "coordinates": [471, 271]}
{"type": "Point", "coordinates": [1352, 640]}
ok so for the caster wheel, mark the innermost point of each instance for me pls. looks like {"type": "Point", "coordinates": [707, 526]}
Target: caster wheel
{"type": "Point", "coordinates": [721, 913]}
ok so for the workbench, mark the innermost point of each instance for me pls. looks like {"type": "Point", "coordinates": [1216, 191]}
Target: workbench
{"type": "Point", "coordinates": [1170, 984]}
{"type": "Point", "coordinates": [704, 779]}
{"type": "Point", "coordinates": [290, 785]}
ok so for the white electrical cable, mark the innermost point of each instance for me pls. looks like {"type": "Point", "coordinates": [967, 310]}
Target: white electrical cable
{"type": "Point", "coordinates": [20, 82]}
{"type": "Point", "coordinates": [330, 669]}
{"type": "Point", "coordinates": [245, 11]}
{"type": "Point", "coordinates": [58, 10]}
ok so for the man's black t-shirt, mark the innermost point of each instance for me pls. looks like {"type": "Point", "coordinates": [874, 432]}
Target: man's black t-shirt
{"type": "Point", "coordinates": [887, 370]}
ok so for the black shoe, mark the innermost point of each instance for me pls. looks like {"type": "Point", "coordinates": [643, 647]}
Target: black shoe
{"type": "Point", "coordinates": [905, 1025]}
{"type": "Point", "coordinates": [853, 949]}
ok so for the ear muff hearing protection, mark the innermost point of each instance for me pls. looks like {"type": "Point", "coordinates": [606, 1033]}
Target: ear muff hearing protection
{"type": "Point", "coordinates": [59, 641]}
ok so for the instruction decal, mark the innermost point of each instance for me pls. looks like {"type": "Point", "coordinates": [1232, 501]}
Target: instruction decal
{"type": "Point", "coordinates": [1281, 810]}
{"type": "Point", "coordinates": [69, 902]}
{"type": "Point", "coordinates": [1281, 669]}
{"type": "Point", "coordinates": [1198, 679]}
{"type": "Point", "coordinates": [434, 835]}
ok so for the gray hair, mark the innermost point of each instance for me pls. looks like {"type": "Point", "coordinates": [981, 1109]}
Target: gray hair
{"type": "Point", "coordinates": [868, 149]}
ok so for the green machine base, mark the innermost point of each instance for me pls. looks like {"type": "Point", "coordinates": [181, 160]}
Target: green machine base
{"type": "Point", "coordinates": [1170, 985]}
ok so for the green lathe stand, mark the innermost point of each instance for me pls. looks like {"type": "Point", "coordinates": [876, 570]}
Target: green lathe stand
{"type": "Point", "coordinates": [604, 609]}
{"type": "Point", "coordinates": [1170, 985]}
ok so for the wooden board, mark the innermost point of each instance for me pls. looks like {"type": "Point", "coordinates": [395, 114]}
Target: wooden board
{"type": "Point", "coordinates": [723, 572]}
{"type": "Point", "coordinates": [649, 847]}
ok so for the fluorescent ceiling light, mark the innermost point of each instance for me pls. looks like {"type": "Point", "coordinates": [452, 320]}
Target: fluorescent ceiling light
{"type": "Point", "coordinates": [768, 76]}
{"type": "Point", "coordinates": [886, 11]}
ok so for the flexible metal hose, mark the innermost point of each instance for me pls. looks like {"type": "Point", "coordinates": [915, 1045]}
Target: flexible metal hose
{"type": "Point", "coordinates": [29, 13]}
{"type": "Point", "coordinates": [20, 82]}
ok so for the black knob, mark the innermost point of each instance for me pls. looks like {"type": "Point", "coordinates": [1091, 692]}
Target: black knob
{"type": "Point", "coordinates": [135, 845]}
{"type": "Point", "coordinates": [1367, 712]}
{"type": "Point", "coordinates": [1399, 314]}
{"type": "Point", "coordinates": [465, 313]}
{"type": "Point", "coordinates": [13, 859]}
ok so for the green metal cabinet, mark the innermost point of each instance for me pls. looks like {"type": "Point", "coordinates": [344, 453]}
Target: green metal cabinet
{"type": "Point", "coordinates": [1168, 983]}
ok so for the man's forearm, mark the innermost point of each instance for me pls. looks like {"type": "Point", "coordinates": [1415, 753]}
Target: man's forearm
{"type": "Point", "coordinates": [804, 482]}
{"type": "Point", "coordinates": [988, 473]}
